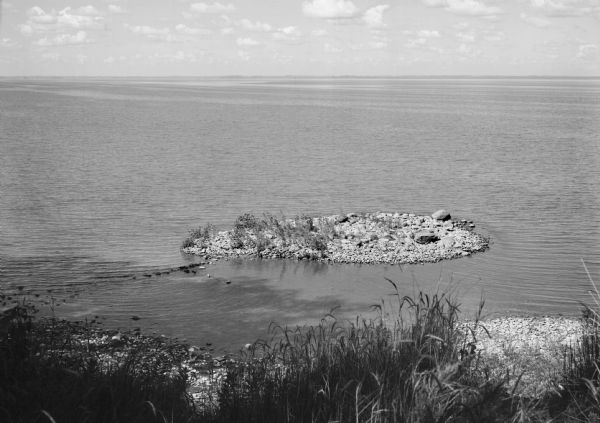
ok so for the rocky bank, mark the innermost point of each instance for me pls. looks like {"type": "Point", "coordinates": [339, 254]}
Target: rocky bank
{"type": "Point", "coordinates": [370, 238]}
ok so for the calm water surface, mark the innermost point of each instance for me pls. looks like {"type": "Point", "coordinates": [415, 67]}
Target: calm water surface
{"type": "Point", "coordinates": [100, 180]}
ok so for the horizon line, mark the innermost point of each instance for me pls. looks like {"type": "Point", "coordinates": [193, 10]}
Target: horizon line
{"type": "Point", "coordinates": [340, 76]}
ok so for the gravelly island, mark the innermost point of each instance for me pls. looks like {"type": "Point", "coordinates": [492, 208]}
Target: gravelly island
{"type": "Point", "coordinates": [370, 238]}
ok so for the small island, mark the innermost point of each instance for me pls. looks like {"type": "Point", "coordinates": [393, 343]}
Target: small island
{"type": "Point", "coordinates": [367, 238]}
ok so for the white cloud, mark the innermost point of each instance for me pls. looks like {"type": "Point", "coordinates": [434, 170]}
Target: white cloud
{"type": "Point", "coordinates": [288, 33]}
{"type": "Point", "coordinates": [153, 33]}
{"type": "Point", "coordinates": [588, 52]}
{"type": "Point", "coordinates": [184, 29]}
{"type": "Point", "coordinates": [535, 20]}
{"type": "Point", "coordinates": [415, 42]}
{"type": "Point", "coordinates": [87, 11]}
{"type": "Point", "coordinates": [40, 21]}
{"type": "Point", "coordinates": [466, 37]}
{"type": "Point", "coordinates": [330, 48]}
{"type": "Point", "coordinates": [227, 31]}
{"type": "Point", "coordinates": [255, 26]}
{"type": "Point", "coordinates": [212, 8]}
{"type": "Point", "coordinates": [561, 8]}
{"type": "Point", "coordinates": [248, 42]}
{"type": "Point", "coordinates": [64, 39]}
{"type": "Point", "coordinates": [176, 57]}
{"type": "Point", "coordinates": [330, 9]}
{"type": "Point", "coordinates": [428, 33]}
{"type": "Point", "coordinates": [147, 30]}
{"type": "Point", "coordinates": [378, 45]}
{"type": "Point", "coordinates": [50, 57]}
{"type": "Point", "coordinates": [465, 7]}
{"type": "Point", "coordinates": [318, 32]}
{"type": "Point", "coordinates": [116, 9]}
{"type": "Point", "coordinates": [494, 36]}
{"type": "Point", "coordinates": [7, 42]}
{"type": "Point", "coordinates": [373, 17]}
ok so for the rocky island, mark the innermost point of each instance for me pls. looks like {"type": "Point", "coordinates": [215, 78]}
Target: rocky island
{"type": "Point", "coordinates": [370, 238]}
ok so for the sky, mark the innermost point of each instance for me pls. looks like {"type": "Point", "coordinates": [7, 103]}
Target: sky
{"type": "Point", "coordinates": [299, 37]}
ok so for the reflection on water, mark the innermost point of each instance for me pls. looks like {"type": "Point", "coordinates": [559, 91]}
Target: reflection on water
{"type": "Point", "coordinates": [100, 181]}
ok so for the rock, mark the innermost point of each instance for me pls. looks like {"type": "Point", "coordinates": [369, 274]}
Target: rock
{"type": "Point", "coordinates": [425, 237]}
{"type": "Point", "coordinates": [447, 242]}
{"type": "Point", "coordinates": [441, 215]}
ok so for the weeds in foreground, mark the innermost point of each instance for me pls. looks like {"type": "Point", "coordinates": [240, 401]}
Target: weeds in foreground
{"type": "Point", "coordinates": [410, 365]}
{"type": "Point", "coordinates": [366, 371]}
{"type": "Point", "coordinates": [581, 384]}
{"type": "Point", "coordinates": [48, 375]}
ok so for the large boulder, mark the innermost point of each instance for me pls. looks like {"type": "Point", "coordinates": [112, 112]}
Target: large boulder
{"type": "Point", "coordinates": [425, 237]}
{"type": "Point", "coordinates": [441, 215]}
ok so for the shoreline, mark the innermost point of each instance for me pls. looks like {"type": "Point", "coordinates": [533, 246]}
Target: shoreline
{"type": "Point", "coordinates": [365, 238]}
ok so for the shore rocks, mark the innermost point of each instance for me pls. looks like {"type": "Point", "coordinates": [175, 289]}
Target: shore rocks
{"type": "Point", "coordinates": [369, 238]}
{"type": "Point", "coordinates": [425, 237]}
{"type": "Point", "coordinates": [441, 215]}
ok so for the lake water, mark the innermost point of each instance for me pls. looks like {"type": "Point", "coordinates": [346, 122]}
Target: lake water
{"type": "Point", "coordinates": [101, 180]}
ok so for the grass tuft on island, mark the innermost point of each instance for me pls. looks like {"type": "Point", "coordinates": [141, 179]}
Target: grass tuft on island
{"type": "Point", "coordinates": [416, 363]}
{"type": "Point", "coordinates": [391, 238]}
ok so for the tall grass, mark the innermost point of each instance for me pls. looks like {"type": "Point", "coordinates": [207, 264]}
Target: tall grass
{"type": "Point", "coordinates": [408, 370]}
{"type": "Point", "coordinates": [412, 363]}
{"type": "Point", "coordinates": [581, 386]}
{"type": "Point", "coordinates": [47, 374]}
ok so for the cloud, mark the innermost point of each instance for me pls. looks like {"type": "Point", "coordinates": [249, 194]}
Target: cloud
{"type": "Point", "coordinates": [428, 33]}
{"type": "Point", "coordinates": [373, 17]}
{"type": "Point", "coordinates": [289, 34]}
{"type": "Point", "coordinates": [64, 39]}
{"type": "Point", "coordinates": [588, 52]}
{"type": "Point", "coordinates": [153, 33]}
{"type": "Point", "coordinates": [176, 57]}
{"type": "Point", "coordinates": [465, 7]}
{"type": "Point", "coordinates": [247, 42]}
{"type": "Point", "coordinates": [50, 57]}
{"type": "Point", "coordinates": [184, 29]}
{"type": "Point", "coordinates": [466, 37]}
{"type": "Point", "coordinates": [415, 42]}
{"type": "Point", "coordinates": [116, 9]}
{"type": "Point", "coordinates": [147, 30]}
{"type": "Point", "coordinates": [7, 42]}
{"type": "Point", "coordinates": [40, 21]}
{"type": "Point", "coordinates": [87, 11]}
{"type": "Point", "coordinates": [330, 48]}
{"type": "Point", "coordinates": [563, 8]}
{"type": "Point", "coordinates": [535, 20]}
{"type": "Point", "coordinates": [212, 8]}
{"type": "Point", "coordinates": [255, 26]}
{"type": "Point", "coordinates": [330, 9]}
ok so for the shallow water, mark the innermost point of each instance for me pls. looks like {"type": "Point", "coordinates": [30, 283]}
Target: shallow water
{"type": "Point", "coordinates": [101, 179]}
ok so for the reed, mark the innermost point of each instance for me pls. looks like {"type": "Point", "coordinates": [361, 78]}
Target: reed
{"type": "Point", "coordinates": [47, 374]}
{"type": "Point", "coordinates": [376, 370]}
{"type": "Point", "coordinates": [580, 390]}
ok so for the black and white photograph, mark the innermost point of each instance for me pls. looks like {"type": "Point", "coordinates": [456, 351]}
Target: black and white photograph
{"type": "Point", "coordinates": [299, 211]}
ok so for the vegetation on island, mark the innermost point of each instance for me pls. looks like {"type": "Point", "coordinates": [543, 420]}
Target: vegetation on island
{"type": "Point", "coordinates": [393, 238]}
{"type": "Point", "coordinates": [416, 363]}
